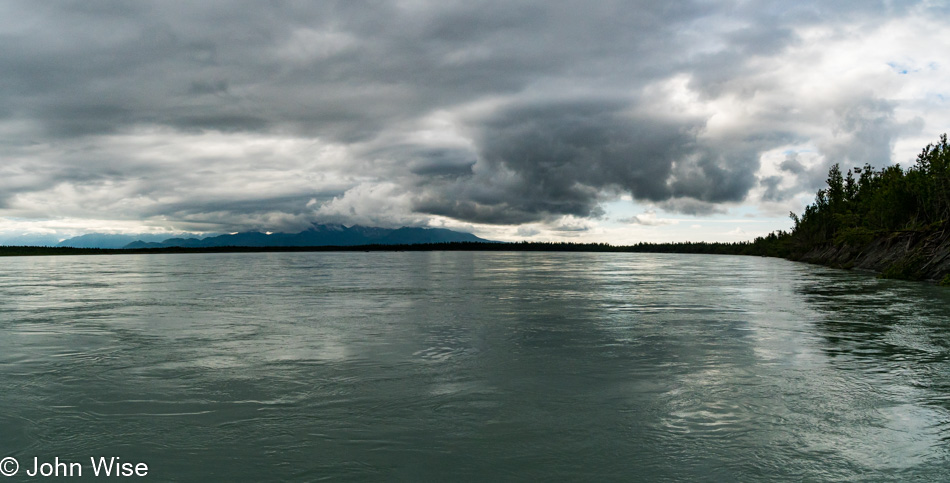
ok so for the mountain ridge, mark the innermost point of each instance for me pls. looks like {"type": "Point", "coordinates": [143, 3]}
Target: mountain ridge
{"type": "Point", "coordinates": [112, 240]}
{"type": "Point", "coordinates": [320, 235]}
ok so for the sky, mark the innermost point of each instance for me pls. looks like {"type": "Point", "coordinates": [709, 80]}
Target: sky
{"type": "Point", "coordinates": [605, 121]}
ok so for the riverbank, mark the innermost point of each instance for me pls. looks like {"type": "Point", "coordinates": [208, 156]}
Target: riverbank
{"type": "Point", "coordinates": [906, 255]}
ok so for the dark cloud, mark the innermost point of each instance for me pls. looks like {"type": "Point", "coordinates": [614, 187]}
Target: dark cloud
{"type": "Point", "coordinates": [715, 177]}
{"type": "Point", "coordinates": [792, 164]}
{"type": "Point", "coordinates": [203, 87]}
{"type": "Point", "coordinates": [441, 163]}
{"type": "Point", "coordinates": [221, 122]}
{"type": "Point", "coordinates": [772, 190]}
{"type": "Point", "coordinates": [690, 206]}
{"type": "Point", "coordinates": [870, 129]}
{"type": "Point", "coordinates": [544, 160]}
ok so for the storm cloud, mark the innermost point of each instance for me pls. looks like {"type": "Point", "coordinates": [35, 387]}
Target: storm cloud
{"type": "Point", "coordinates": [556, 158]}
{"type": "Point", "coordinates": [229, 115]}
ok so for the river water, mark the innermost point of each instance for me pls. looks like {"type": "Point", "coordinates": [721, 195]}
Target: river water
{"type": "Point", "coordinates": [453, 366]}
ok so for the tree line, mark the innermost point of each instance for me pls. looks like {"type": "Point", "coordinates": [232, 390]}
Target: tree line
{"type": "Point", "coordinates": [865, 203]}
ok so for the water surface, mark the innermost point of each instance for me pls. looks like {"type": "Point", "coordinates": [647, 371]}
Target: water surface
{"type": "Point", "coordinates": [473, 366]}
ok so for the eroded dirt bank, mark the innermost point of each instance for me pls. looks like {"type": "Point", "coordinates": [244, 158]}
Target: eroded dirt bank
{"type": "Point", "coordinates": [906, 255]}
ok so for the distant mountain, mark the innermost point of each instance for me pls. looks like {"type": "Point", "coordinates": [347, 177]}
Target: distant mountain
{"type": "Point", "coordinates": [320, 235]}
{"type": "Point", "coordinates": [104, 240]}
{"type": "Point", "coordinates": [30, 240]}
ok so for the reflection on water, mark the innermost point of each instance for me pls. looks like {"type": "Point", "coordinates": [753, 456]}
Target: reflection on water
{"type": "Point", "coordinates": [302, 366]}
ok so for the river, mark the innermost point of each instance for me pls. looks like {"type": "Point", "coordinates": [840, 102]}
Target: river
{"type": "Point", "coordinates": [484, 366]}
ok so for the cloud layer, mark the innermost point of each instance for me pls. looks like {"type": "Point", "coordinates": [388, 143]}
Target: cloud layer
{"type": "Point", "coordinates": [225, 116]}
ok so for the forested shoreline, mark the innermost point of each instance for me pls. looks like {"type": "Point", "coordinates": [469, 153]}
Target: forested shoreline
{"type": "Point", "coordinates": [892, 221]}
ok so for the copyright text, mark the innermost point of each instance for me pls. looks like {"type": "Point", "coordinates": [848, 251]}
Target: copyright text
{"type": "Point", "coordinates": [97, 466]}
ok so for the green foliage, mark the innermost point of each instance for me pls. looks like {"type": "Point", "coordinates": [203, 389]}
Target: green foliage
{"type": "Point", "coordinates": [855, 236]}
{"type": "Point", "coordinates": [946, 281]}
{"type": "Point", "coordinates": [886, 200]}
{"type": "Point", "coordinates": [905, 269]}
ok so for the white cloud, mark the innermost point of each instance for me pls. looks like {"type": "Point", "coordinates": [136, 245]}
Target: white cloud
{"type": "Point", "coordinates": [371, 204]}
{"type": "Point", "coordinates": [648, 218]}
